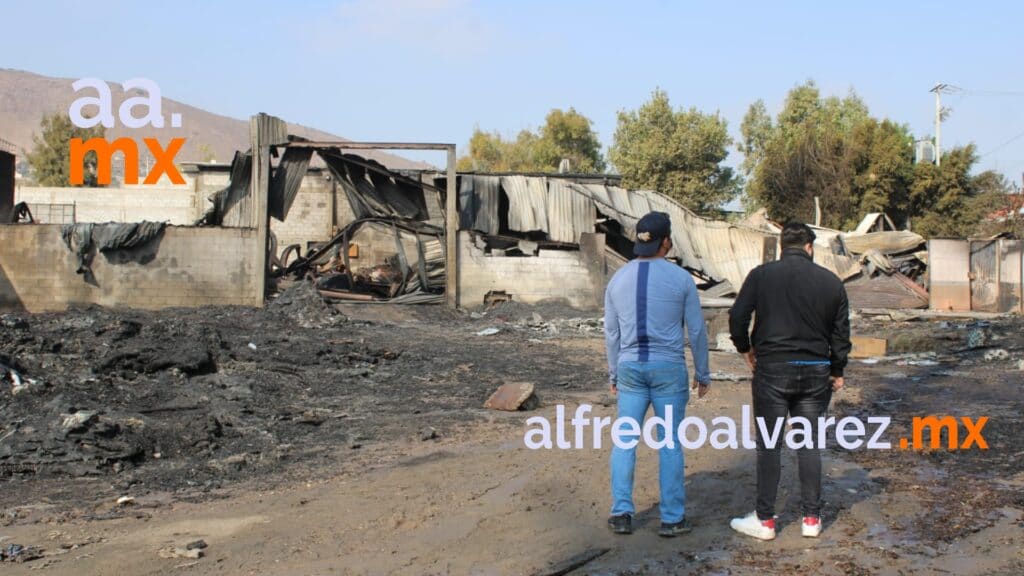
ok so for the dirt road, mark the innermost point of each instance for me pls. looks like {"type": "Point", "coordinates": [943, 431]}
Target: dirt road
{"type": "Point", "coordinates": [369, 497]}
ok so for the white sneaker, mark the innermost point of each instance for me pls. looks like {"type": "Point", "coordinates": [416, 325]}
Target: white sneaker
{"type": "Point", "coordinates": [811, 527]}
{"type": "Point", "coordinates": [751, 526]}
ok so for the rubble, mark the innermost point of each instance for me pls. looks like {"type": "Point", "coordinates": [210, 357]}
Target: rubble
{"type": "Point", "coordinates": [304, 305]}
{"type": "Point", "coordinates": [181, 552]}
{"type": "Point", "coordinates": [19, 553]}
{"type": "Point", "coordinates": [116, 389]}
{"type": "Point", "coordinates": [996, 354]}
{"type": "Point", "coordinates": [728, 377]}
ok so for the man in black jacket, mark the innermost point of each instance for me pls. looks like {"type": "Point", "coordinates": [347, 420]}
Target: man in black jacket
{"type": "Point", "coordinates": [798, 352]}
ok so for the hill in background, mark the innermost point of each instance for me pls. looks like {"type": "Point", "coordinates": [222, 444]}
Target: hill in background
{"type": "Point", "coordinates": [26, 97]}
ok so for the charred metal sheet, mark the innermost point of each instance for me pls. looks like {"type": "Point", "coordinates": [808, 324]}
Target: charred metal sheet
{"type": "Point", "coordinates": [479, 197]}
{"type": "Point", "coordinates": [527, 202]}
{"type": "Point", "coordinates": [284, 186]}
{"type": "Point", "coordinates": [620, 199]}
{"type": "Point", "coordinates": [372, 193]}
{"type": "Point", "coordinates": [570, 214]}
{"type": "Point", "coordinates": [223, 212]}
{"type": "Point", "coordinates": [892, 292]}
{"type": "Point", "coordinates": [602, 199]}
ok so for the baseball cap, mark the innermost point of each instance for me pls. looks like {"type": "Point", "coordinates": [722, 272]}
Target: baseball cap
{"type": "Point", "coordinates": [650, 231]}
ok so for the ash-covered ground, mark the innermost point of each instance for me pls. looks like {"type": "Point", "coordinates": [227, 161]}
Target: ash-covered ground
{"type": "Point", "coordinates": [309, 438]}
{"type": "Point", "coordinates": [191, 400]}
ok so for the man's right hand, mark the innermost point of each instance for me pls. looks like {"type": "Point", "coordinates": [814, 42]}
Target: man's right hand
{"type": "Point", "coordinates": [837, 383]}
{"type": "Point", "coordinates": [750, 358]}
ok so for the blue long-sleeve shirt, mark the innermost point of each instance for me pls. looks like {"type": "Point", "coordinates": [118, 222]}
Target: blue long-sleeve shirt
{"type": "Point", "coordinates": [646, 305]}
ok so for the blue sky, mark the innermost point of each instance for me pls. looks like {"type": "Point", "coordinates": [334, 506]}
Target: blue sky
{"type": "Point", "coordinates": [432, 70]}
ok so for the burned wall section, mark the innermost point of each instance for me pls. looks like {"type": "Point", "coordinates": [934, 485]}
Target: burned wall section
{"type": "Point", "coordinates": [567, 275]}
{"type": "Point", "coordinates": [185, 266]}
{"type": "Point", "coordinates": [7, 169]}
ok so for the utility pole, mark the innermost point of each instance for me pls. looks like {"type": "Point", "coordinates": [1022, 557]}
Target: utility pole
{"type": "Point", "coordinates": [940, 115]}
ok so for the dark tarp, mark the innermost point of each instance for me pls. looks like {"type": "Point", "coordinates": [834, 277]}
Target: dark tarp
{"type": "Point", "coordinates": [82, 238]}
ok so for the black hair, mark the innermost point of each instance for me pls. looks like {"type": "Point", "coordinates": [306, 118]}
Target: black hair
{"type": "Point", "coordinates": [797, 235]}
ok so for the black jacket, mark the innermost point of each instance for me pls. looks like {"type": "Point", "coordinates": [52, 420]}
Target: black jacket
{"type": "Point", "coordinates": [801, 312]}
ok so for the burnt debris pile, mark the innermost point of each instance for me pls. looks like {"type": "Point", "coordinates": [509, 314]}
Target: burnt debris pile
{"type": "Point", "coordinates": [179, 398]}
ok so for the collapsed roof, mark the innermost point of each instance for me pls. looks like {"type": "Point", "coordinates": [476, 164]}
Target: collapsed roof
{"type": "Point", "coordinates": [555, 210]}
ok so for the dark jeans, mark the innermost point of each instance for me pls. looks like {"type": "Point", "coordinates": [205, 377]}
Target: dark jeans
{"type": "Point", "coordinates": [779, 389]}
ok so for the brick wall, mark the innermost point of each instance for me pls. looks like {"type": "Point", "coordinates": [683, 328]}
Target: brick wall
{"type": "Point", "coordinates": [528, 279]}
{"type": "Point", "coordinates": [184, 267]}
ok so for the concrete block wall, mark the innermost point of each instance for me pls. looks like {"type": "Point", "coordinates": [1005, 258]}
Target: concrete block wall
{"type": "Point", "coordinates": [528, 279]}
{"type": "Point", "coordinates": [319, 208]}
{"type": "Point", "coordinates": [311, 217]}
{"type": "Point", "coordinates": [184, 267]}
{"type": "Point", "coordinates": [178, 205]}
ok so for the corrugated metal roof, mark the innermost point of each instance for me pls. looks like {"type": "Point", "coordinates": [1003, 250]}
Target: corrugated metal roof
{"type": "Point", "coordinates": [287, 179]}
{"type": "Point", "coordinates": [527, 199]}
{"type": "Point", "coordinates": [569, 213]}
{"type": "Point", "coordinates": [478, 203]}
{"type": "Point", "coordinates": [602, 197]}
{"type": "Point", "coordinates": [721, 250]}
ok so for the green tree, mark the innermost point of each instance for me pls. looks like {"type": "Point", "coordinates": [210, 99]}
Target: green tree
{"type": "Point", "coordinates": [947, 201]}
{"type": "Point", "coordinates": [676, 152]}
{"type": "Point", "coordinates": [570, 135]}
{"type": "Point", "coordinates": [882, 164]}
{"type": "Point", "coordinates": [829, 148]}
{"type": "Point", "coordinates": [565, 134]}
{"type": "Point", "coordinates": [997, 206]}
{"type": "Point", "coordinates": [50, 157]}
{"type": "Point", "coordinates": [755, 130]}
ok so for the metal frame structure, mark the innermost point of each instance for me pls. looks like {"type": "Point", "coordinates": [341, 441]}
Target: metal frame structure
{"type": "Point", "coordinates": [265, 132]}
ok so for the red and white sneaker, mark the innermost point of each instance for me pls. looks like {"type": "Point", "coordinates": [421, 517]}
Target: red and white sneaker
{"type": "Point", "coordinates": [752, 526]}
{"type": "Point", "coordinates": [811, 527]}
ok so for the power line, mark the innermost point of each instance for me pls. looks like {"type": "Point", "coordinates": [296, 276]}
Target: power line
{"type": "Point", "coordinates": [1008, 142]}
{"type": "Point", "coordinates": [994, 92]}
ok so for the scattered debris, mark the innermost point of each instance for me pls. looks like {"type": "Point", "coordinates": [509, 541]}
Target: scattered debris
{"type": "Point", "coordinates": [125, 501]}
{"type": "Point", "coordinates": [488, 332]}
{"type": "Point", "coordinates": [574, 563]}
{"type": "Point", "coordinates": [727, 377]}
{"type": "Point", "coordinates": [976, 338]}
{"type": "Point", "coordinates": [996, 354]}
{"type": "Point", "coordinates": [306, 306]}
{"type": "Point", "coordinates": [513, 396]}
{"type": "Point", "coordinates": [428, 433]}
{"type": "Point", "coordinates": [866, 347]}
{"type": "Point", "coordinates": [19, 553]}
{"type": "Point", "coordinates": [723, 342]}
{"type": "Point", "coordinates": [181, 552]}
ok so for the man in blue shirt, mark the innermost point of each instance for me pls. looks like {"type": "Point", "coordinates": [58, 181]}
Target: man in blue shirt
{"type": "Point", "coordinates": [646, 305]}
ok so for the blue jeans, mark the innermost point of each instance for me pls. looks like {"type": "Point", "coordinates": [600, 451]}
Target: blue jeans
{"type": "Point", "coordinates": [641, 384]}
